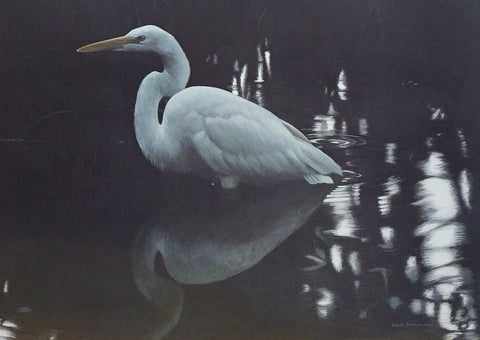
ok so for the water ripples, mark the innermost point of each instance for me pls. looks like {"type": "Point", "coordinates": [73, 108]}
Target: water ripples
{"type": "Point", "coordinates": [337, 141]}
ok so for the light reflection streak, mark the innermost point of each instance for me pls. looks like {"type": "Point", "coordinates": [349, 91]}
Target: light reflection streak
{"type": "Point", "coordinates": [435, 165]}
{"type": "Point", "coordinates": [463, 143]}
{"type": "Point", "coordinates": [342, 84]}
{"type": "Point", "coordinates": [331, 110]}
{"type": "Point", "coordinates": [390, 153]}
{"type": "Point", "coordinates": [6, 333]}
{"type": "Point", "coordinates": [236, 66]}
{"type": "Point", "coordinates": [336, 257]}
{"type": "Point", "coordinates": [260, 65]}
{"type": "Point", "coordinates": [444, 278]}
{"type": "Point", "coordinates": [411, 269]}
{"type": "Point", "coordinates": [437, 113]}
{"type": "Point", "coordinates": [235, 88]}
{"type": "Point", "coordinates": [388, 237]}
{"type": "Point", "coordinates": [440, 257]}
{"type": "Point", "coordinates": [323, 126]}
{"type": "Point", "coordinates": [6, 286]}
{"type": "Point", "coordinates": [243, 81]}
{"type": "Point", "coordinates": [259, 96]}
{"type": "Point", "coordinates": [355, 263]}
{"type": "Point", "coordinates": [341, 200]}
{"type": "Point", "coordinates": [451, 234]}
{"type": "Point", "coordinates": [465, 183]}
{"type": "Point", "coordinates": [363, 126]}
{"type": "Point", "coordinates": [343, 95]}
{"type": "Point", "coordinates": [437, 199]}
{"type": "Point", "coordinates": [391, 188]}
{"type": "Point", "coordinates": [417, 307]}
{"type": "Point", "coordinates": [268, 58]}
{"type": "Point", "coordinates": [324, 303]}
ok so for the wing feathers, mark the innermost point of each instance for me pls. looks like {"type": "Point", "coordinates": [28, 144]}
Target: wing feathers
{"type": "Point", "coordinates": [245, 140]}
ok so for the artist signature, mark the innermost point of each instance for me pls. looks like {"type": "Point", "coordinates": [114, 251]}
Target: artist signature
{"type": "Point", "coordinates": [412, 324]}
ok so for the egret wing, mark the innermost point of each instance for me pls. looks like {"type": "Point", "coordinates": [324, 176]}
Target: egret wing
{"type": "Point", "coordinates": [236, 137]}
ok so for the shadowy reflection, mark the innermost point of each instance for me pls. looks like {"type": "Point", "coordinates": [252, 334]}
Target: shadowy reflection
{"type": "Point", "coordinates": [199, 240]}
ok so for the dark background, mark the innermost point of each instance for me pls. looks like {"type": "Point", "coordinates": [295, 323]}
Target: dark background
{"type": "Point", "coordinates": [434, 42]}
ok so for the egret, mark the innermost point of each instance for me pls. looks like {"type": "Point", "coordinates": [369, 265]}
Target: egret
{"type": "Point", "coordinates": [209, 131]}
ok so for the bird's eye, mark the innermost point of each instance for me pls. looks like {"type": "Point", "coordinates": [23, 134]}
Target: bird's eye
{"type": "Point", "coordinates": [140, 38]}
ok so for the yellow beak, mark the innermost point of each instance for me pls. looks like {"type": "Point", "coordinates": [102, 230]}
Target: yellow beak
{"type": "Point", "coordinates": [109, 44]}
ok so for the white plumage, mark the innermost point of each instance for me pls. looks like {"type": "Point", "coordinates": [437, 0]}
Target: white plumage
{"type": "Point", "coordinates": [209, 131]}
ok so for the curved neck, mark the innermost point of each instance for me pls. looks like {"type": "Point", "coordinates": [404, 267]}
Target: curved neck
{"type": "Point", "coordinates": [152, 136]}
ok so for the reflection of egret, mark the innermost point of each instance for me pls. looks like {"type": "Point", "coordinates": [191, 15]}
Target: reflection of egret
{"type": "Point", "coordinates": [212, 242]}
{"type": "Point", "coordinates": [199, 241]}
{"type": "Point", "coordinates": [210, 131]}
{"type": "Point", "coordinates": [164, 292]}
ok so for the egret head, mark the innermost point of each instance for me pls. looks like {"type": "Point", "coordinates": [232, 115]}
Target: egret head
{"type": "Point", "coordinates": [142, 39]}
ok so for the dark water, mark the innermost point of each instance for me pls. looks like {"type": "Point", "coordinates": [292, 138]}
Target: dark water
{"type": "Point", "coordinates": [97, 244]}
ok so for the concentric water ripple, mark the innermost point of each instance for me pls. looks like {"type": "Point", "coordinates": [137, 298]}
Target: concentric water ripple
{"type": "Point", "coordinates": [337, 141]}
{"type": "Point", "coordinates": [350, 177]}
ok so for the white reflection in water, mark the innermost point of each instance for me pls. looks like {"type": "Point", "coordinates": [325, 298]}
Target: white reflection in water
{"type": "Point", "coordinates": [417, 307]}
{"type": "Point", "coordinates": [394, 302]}
{"type": "Point", "coordinates": [388, 237]}
{"type": "Point", "coordinates": [236, 66]}
{"type": "Point", "coordinates": [212, 59]}
{"type": "Point", "coordinates": [323, 126]}
{"type": "Point", "coordinates": [390, 153]}
{"type": "Point", "coordinates": [411, 269]}
{"type": "Point", "coordinates": [363, 126]}
{"type": "Point", "coordinates": [343, 95]}
{"type": "Point", "coordinates": [453, 274]}
{"type": "Point", "coordinates": [319, 260]}
{"type": "Point", "coordinates": [10, 324]}
{"type": "Point", "coordinates": [342, 84]}
{"type": "Point", "coordinates": [356, 190]}
{"type": "Point", "coordinates": [331, 110]}
{"type": "Point", "coordinates": [434, 165]}
{"type": "Point", "coordinates": [344, 128]}
{"type": "Point", "coordinates": [453, 320]}
{"type": "Point", "coordinates": [260, 60]}
{"type": "Point", "coordinates": [437, 113]}
{"type": "Point", "coordinates": [444, 277]}
{"type": "Point", "coordinates": [235, 88]}
{"type": "Point", "coordinates": [451, 234]}
{"type": "Point", "coordinates": [306, 289]}
{"type": "Point", "coordinates": [439, 257]}
{"type": "Point", "coordinates": [355, 263]}
{"type": "Point", "coordinates": [465, 183]}
{"type": "Point", "coordinates": [463, 143]}
{"type": "Point", "coordinates": [243, 81]}
{"type": "Point", "coordinates": [424, 228]}
{"type": "Point", "coordinates": [391, 188]}
{"type": "Point", "coordinates": [336, 257]}
{"type": "Point", "coordinates": [258, 95]}
{"type": "Point", "coordinates": [430, 309]}
{"type": "Point", "coordinates": [268, 58]}
{"type": "Point", "coordinates": [341, 200]}
{"type": "Point", "coordinates": [437, 199]}
{"type": "Point", "coordinates": [6, 333]}
{"type": "Point", "coordinates": [325, 303]}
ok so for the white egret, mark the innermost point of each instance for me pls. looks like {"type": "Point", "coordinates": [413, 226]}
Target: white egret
{"type": "Point", "coordinates": [209, 131]}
